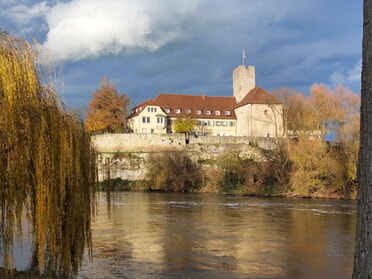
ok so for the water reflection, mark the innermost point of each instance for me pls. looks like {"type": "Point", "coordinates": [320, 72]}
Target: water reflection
{"type": "Point", "coordinates": [157, 235]}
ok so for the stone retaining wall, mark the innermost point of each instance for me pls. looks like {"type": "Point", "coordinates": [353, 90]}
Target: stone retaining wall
{"type": "Point", "coordinates": [126, 154]}
{"type": "Point", "coordinates": [139, 142]}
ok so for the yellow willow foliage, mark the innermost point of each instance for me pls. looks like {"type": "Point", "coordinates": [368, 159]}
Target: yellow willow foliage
{"type": "Point", "coordinates": [47, 167]}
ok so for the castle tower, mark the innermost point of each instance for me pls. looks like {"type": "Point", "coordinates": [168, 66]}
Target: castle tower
{"type": "Point", "coordinates": [244, 79]}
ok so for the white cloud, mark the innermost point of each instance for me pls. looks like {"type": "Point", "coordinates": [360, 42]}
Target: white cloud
{"type": "Point", "coordinates": [352, 75]}
{"type": "Point", "coordinates": [23, 15]}
{"type": "Point", "coordinates": [81, 29]}
{"type": "Point", "coordinates": [90, 28]}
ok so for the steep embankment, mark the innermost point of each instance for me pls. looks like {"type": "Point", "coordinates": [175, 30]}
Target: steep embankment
{"type": "Point", "coordinates": [124, 155]}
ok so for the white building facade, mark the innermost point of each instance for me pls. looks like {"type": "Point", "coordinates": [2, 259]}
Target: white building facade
{"type": "Point", "coordinates": [251, 111]}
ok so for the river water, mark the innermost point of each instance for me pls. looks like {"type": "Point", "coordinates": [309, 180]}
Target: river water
{"type": "Point", "coordinates": [166, 235]}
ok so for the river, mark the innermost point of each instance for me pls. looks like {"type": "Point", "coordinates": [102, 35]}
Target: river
{"type": "Point", "coordinates": [173, 235]}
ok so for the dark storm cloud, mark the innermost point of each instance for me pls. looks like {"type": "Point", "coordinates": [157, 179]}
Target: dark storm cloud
{"type": "Point", "coordinates": [191, 46]}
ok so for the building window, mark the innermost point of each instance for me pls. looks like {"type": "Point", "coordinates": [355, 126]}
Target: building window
{"type": "Point", "coordinates": [231, 123]}
{"type": "Point", "coordinates": [224, 123]}
{"type": "Point", "coordinates": [218, 134]}
{"type": "Point", "coordinates": [169, 121]}
{"type": "Point", "coordinates": [208, 112]}
{"type": "Point", "coordinates": [200, 123]}
{"type": "Point", "coordinates": [178, 110]}
{"type": "Point", "coordinates": [151, 109]}
{"type": "Point", "coordinates": [210, 123]}
{"type": "Point", "coordinates": [160, 120]}
{"type": "Point", "coordinates": [227, 113]}
{"type": "Point", "coordinates": [205, 123]}
{"type": "Point", "coordinates": [152, 131]}
{"type": "Point", "coordinates": [145, 119]}
{"type": "Point", "coordinates": [218, 123]}
{"type": "Point", "coordinates": [218, 112]}
{"type": "Point", "coordinates": [198, 111]}
{"type": "Point", "coordinates": [144, 130]}
{"type": "Point", "coordinates": [265, 111]}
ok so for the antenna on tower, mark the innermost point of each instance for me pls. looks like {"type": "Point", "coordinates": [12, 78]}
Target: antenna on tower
{"type": "Point", "coordinates": [244, 56]}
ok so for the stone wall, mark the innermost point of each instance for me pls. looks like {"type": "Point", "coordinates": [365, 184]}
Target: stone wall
{"type": "Point", "coordinates": [138, 142]}
{"type": "Point", "coordinates": [126, 166]}
{"type": "Point", "coordinates": [124, 155]}
{"type": "Point", "coordinates": [111, 143]}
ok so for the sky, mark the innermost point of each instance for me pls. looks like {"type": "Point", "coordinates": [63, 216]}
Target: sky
{"type": "Point", "coordinates": [147, 47]}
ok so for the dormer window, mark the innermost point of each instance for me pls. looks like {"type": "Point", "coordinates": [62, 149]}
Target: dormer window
{"type": "Point", "coordinates": [208, 112]}
{"type": "Point", "coordinates": [178, 111]}
{"type": "Point", "coordinates": [198, 111]}
{"type": "Point", "coordinates": [167, 110]}
{"type": "Point", "coordinates": [227, 112]}
{"type": "Point", "coordinates": [218, 112]}
{"type": "Point", "coordinates": [188, 111]}
{"type": "Point", "coordinates": [151, 109]}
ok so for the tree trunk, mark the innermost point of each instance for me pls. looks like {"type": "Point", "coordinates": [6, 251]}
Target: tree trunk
{"type": "Point", "coordinates": [363, 246]}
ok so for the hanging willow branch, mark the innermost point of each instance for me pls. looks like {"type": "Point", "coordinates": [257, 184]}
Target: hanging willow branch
{"type": "Point", "coordinates": [47, 167]}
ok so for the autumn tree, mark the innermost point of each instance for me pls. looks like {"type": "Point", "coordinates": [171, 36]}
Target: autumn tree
{"type": "Point", "coordinates": [363, 247]}
{"type": "Point", "coordinates": [327, 106]}
{"type": "Point", "coordinates": [184, 124]}
{"type": "Point", "coordinates": [316, 167]}
{"type": "Point", "coordinates": [107, 110]}
{"type": "Point", "coordinates": [299, 116]}
{"type": "Point", "coordinates": [47, 168]}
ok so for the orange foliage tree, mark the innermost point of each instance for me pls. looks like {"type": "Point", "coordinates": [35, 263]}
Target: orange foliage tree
{"type": "Point", "coordinates": [299, 115]}
{"type": "Point", "coordinates": [107, 110]}
{"type": "Point", "coordinates": [318, 167]}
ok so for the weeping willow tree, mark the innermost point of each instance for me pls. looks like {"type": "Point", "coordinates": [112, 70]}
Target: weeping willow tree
{"type": "Point", "coordinates": [47, 167]}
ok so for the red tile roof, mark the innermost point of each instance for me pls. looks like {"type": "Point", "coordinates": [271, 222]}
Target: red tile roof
{"type": "Point", "coordinates": [195, 103]}
{"type": "Point", "coordinates": [258, 95]}
{"type": "Point", "coordinates": [203, 106]}
{"type": "Point", "coordinates": [196, 106]}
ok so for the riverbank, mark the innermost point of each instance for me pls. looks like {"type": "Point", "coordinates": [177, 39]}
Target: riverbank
{"type": "Point", "coordinates": [120, 185]}
{"type": "Point", "coordinates": [296, 168]}
{"type": "Point", "coordinates": [20, 275]}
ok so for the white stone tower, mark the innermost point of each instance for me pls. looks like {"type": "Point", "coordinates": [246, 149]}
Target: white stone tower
{"type": "Point", "coordinates": [244, 79]}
